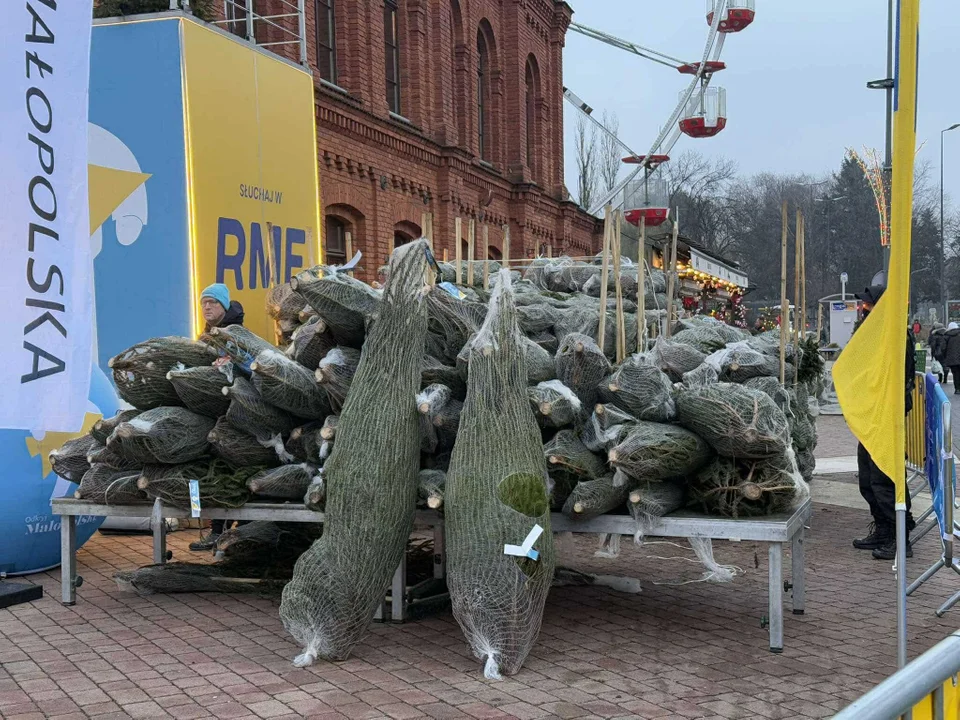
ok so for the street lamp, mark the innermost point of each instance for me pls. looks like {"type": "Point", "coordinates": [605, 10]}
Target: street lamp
{"type": "Point", "coordinates": [943, 254]}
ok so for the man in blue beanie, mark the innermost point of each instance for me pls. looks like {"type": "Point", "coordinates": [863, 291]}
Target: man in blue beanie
{"type": "Point", "coordinates": [218, 311]}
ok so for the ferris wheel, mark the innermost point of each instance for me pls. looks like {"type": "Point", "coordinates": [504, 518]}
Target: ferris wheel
{"type": "Point", "coordinates": [701, 111]}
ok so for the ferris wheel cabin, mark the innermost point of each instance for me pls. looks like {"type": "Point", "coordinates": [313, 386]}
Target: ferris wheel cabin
{"type": "Point", "coordinates": [737, 15]}
{"type": "Point", "coordinates": [647, 198]}
{"type": "Point", "coordinates": [710, 67]}
{"type": "Point", "coordinates": [651, 161]}
{"type": "Point", "coordinates": [705, 113]}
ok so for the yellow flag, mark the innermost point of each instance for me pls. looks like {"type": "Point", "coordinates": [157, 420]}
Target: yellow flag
{"type": "Point", "coordinates": [869, 376]}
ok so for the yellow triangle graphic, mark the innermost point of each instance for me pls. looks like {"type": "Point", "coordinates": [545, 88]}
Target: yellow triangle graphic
{"type": "Point", "coordinates": [108, 188]}
{"type": "Point", "coordinates": [53, 440]}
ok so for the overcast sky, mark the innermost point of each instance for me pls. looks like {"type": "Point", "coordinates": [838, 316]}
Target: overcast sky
{"type": "Point", "coordinates": [795, 80]}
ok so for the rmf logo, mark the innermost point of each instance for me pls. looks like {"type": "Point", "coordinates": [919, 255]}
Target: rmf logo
{"type": "Point", "coordinates": [246, 256]}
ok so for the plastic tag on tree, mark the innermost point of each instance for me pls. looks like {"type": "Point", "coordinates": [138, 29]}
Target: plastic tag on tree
{"type": "Point", "coordinates": [453, 290]}
{"type": "Point", "coordinates": [526, 549]}
{"type": "Point", "coordinates": [195, 498]}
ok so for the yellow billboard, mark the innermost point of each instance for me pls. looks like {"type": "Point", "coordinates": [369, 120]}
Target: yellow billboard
{"type": "Point", "coordinates": [252, 184]}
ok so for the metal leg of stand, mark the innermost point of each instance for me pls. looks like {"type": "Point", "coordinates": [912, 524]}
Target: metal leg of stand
{"type": "Point", "coordinates": [398, 592]}
{"type": "Point", "coordinates": [920, 532]}
{"type": "Point", "coordinates": [927, 574]}
{"type": "Point", "coordinates": [439, 552]}
{"type": "Point", "coordinates": [775, 592]}
{"type": "Point", "coordinates": [796, 573]}
{"type": "Point", "coordinates": [159, 528]}
{"type": "Point", "coordinates": [68, 559]}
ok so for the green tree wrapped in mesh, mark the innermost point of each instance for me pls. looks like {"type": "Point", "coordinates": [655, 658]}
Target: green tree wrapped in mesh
{"type": "Point", "coordinates": [140, 372]}
{"type": "Point", "coordinates": [674, 358]}
{"type": "Point", "coordinates": [439, 418]}
{"type": "Point", "coordinates": [581, 366]}
{"type": "Point", "coordinates": [705, 339]}
{"type": "Point", "coordinates": [642, 389]}
{"type": "Point", "coordinates": [455, 321]}
{"type": "Point", "coordinates": [69, 461]}
{"type": "Point", "coordinates": [287, 482]}
{"type": "Point", "coordinates": [744, 488]}
{"type": "Point", "coordinates": [251, 413]}
{"type": "Point", "coordinates": [606, 427]}
{"type": "Point", "coordinates": [738, 421]}
{"type": "Point", "coordinates": [538, 362]}
{"type": "Point", "coordinates": [772, 387]}
{"type": "Point", "coordinates": [315, 498]}
{"type": "Point", "coordinates": [335, 374]}
{"type": "Point", "coordinates": [288, 385]}
{"type": "Point", "coordinates": [238, 447]}
{"type": "Point", "coordinates": [305, 441]}
{"type": "Point", "coordinates": [649, 501]}
{"type": "Point", "coordinates": [434, 372]}
{"type": "Point", "coordinates": [104, 484]}
{"type": "Point", "coordinates": [496, 495]}
{"type": "Point", "coordinates": [554, 404]}
{"type": "Point", "coordinates": [593, 498]}
{"type": "Point", "coordinates": [430, 487]}
{"type": "Point", "coordinates": [371, 477]}
{"type": "Point", "coordinates": [103, 428]}
{"type": "Point", "coordinates": [162, 435]}
{"type": "Point", "coordinates": [109, 455]}
{"type": "Point", "coordinates": [344, 303]}
{"type": "Point", "coordinates": [740, 362]}
{"type": "Point", "coordinates": [220, 484]}
{"type": "Point", "coordinates": [311, 342]}
{"type": "Point", "coordinates": [655, 451]}
{"type": "Point", "coordinates": [237, 343]}
{"type": "Point", "coordinates": [703, 375]}
{"type": "Point", "coordinates": [201, 389]}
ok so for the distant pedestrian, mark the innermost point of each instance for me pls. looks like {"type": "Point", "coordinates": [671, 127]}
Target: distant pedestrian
{"type": "Point", "coordinates": [917, 328]}
{"type": "Point", "coordinates": [938, 350]}
{"type": "Point", "coordinates": [951, 358]}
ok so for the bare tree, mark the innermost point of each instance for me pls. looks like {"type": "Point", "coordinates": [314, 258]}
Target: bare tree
{"type": "Point", "coordinates": [699, 186]}
{"type": "Point", "coordinates": [587, 178]}
{"type": "Point", "coordinates": [610, 151]}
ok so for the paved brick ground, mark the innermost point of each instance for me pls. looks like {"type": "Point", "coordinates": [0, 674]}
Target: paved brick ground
{"type": "Point", "coordinates": [679, 651]}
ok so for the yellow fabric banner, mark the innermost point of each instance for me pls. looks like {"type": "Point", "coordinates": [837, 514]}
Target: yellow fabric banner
{"type": "Point", "coordinates": [869, 376]}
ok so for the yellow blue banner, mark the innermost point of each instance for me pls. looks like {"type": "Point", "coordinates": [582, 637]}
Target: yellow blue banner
{"type": "Point", "coordinates": [870, 374]}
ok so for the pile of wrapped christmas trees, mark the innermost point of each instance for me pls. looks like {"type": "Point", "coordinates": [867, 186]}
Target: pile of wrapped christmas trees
{"type": "Point", "coordinates": [493, 403]}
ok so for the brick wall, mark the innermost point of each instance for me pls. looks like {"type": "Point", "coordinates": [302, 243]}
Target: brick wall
{"type": "Point", "coordinates": [379, 173]}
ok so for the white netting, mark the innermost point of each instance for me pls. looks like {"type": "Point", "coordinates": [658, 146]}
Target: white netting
{"type": "Point", "coordinates": [289, 386]}
{"type": "Point", "coordinates": [371, 477]}
{"type": "Point", "coordinates": [496, 497]}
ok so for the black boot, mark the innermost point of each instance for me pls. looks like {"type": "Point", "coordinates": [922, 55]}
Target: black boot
{"type": "Point", "coordinates": [888, 551]}
{"type": "Point", "coordinates": [879, 535]}
{"type": "Point", "coordinates": [206, 543]}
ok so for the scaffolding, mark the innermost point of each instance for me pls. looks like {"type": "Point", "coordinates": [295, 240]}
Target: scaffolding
{"type": "Point", "coordinates": [278, 30]}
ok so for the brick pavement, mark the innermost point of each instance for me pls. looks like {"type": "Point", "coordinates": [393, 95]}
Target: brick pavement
{"type": "Point", "coordinates": [681, 651]}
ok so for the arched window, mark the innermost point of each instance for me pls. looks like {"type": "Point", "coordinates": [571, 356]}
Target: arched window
{"type": "Point", "coordinates": [335, 241]}
{"type": "Point", "coordinates": [326, 39]}
{"type": "Point", "coordinates": [493, 253]}
{"type": "Point", "coordinates": [532, 87]}
{"type": "Point", "coordinates": [483, 96]}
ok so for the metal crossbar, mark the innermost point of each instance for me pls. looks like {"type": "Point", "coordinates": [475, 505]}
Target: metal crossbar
{"type": "Point", "coordinates": [246, 16]}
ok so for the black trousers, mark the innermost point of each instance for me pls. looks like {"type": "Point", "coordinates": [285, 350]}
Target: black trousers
{"type": "Point", "coordinates": [956, 374]}
{"type": "Point", "coordinates": [879, 492]}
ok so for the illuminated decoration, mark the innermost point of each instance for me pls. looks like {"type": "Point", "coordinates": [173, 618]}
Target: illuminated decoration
{"type": "Point", "coordinates": [223, 139]}
{"type": "Point", "coordinates": [872, 169]}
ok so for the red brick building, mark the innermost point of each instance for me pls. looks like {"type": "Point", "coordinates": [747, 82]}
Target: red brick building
{"type": "Point", "coordinates": [452, 107]}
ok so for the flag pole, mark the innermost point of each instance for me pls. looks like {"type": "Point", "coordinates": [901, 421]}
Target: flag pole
{"type": "Point", "coordinates": [784, 310]}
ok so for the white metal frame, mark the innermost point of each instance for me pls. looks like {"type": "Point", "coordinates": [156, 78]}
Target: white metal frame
{"type": "Point", "coordinates": [293, 9]}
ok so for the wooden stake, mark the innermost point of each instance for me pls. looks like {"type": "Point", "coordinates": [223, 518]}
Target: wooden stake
{"type": "Point", "coordinates": [618, 286]}
{"type": "Point", "coordinates": [550, 250]}
{"type": "Point", "coordinates": [458, 250]}
{"type": "Point", "coordinates": [672, 275]}
{"type": "Point", "coordinates": [506, 246]}
{"type": "Point", "coordinates": [641, 294]}
{"type": "Point", "coordinates": [429, 232]}
{"type": "Point", "coordinates": [796, 280]}
{"type": "Point", "coordinates": [445, 255]}
{"type": "Point", "coordinates": [486, 257]}
{"type": "Point", "coordinates": [310, 253]}
{"type": "Point", "coordinates": [819, 322]}
{"type": "Point", "coordinates": [471, 248]}
{"type": "Point", "coordinates": [784, 308]}
{"type": "Point", "coordinates": [348, 244]}
{"type": "Point", "coordinates": [270, 258]}
{"type": "Point", "coordinates": [803, 277]}
{"type": "Point", "coordinates": [604, 275]}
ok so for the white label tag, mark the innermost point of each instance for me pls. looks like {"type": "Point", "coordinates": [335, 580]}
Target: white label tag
{"type": "Point", "coordinates": [526, 549]}
{"type": "Point", "coordinates": [195, 498]}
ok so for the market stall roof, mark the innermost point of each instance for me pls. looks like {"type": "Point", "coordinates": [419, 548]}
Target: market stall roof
{"type": "Point", "coordinates": [701, 259]}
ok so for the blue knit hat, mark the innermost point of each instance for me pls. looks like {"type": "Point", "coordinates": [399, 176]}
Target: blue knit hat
{"type": "Point", "coordinates": [219, 292]}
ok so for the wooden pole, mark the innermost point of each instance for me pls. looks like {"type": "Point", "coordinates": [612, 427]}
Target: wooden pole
{"type": "Point", "coordinates": [618, 285]}
{"type": "Point", "coordinates": [430, 229]}
{"type": "Point", "coordinates": [471, 248]}
{"type": "Point", "coordinates": [672, 274]}
{"type": "Point", "coordinates": [348, 244]}
{"type": "Point", "coordinates": [270, 259]}
{"type": "Point", "coordinates": [549, 250]}
{"type": "Point", "coordinates": [784, 308]}
{"type": "Point", "coordinates": [819, 322]}
{"type": "Point", "coordinates": [506, 246]}
{"type": "Point", "coordinates": [458, 250]}
{"type": "Point", "coordinates": [641, 290]}
{"type": "Point", "coordinates": [486, 256]}
{"type": "Point", "coordinates": [604, 275]}
{"type": "Point", "coordinates": [796, 280]}
{"type": "Point", "coordinates": [311, 255]}
{"type": "Point", "coordinates": [803, 278]}
{"type": "Point", "coordinates": [445, 255]}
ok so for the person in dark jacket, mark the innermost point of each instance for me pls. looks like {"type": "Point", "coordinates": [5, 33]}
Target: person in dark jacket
{"type": "Point", "coordinates": [938, 348]}
{"type": "Point", "coordinates": [218, 311]}
{"type": "Point", "coordinates": [951, 356]}
{"type": "Point", "coordinates": [875, 487]}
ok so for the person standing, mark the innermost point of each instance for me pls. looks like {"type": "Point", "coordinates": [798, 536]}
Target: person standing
{"type": "Point", "coordinates": [937, 341]}
{"type": "Point", "coordinates": [951, 356]}
{"type": "Point", "coordinates": [875, 487]}
{"type": "Point", "coordinates": [218, 311]}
